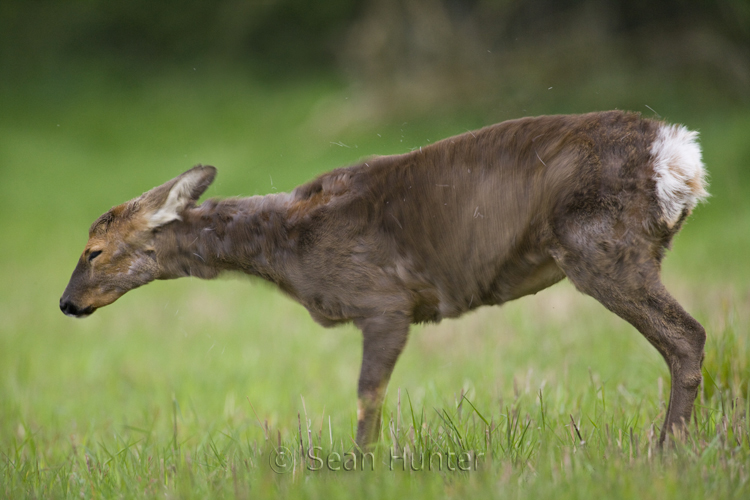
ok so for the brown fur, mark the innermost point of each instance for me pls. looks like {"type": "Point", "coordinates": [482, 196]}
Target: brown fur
{"type": "Point", "coordinates": [477, 219]}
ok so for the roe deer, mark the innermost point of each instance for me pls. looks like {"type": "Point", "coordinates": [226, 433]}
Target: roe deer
{"type": "Point", "coordinates": [477, 219]}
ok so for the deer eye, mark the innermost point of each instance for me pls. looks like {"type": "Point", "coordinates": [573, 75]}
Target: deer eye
{"type": "Point", "coordinates": [93, 255]}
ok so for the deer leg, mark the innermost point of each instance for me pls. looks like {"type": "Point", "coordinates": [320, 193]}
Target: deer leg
{"type": "Point", "coordinates": [680, 340]}
{"type": "Point", "coordinates": [627, 283]}
{"type": "Point", "coordinates": [384, 339]}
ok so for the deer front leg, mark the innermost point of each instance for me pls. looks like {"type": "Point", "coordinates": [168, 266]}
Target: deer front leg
{"type": "Point", "coordinates": [384, 339]}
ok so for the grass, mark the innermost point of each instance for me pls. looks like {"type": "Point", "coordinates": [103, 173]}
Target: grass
{"type": "Point", "coordinates": [190, 389]}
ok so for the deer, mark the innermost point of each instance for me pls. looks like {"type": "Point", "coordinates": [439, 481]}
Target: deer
{"type": "Point", "coordinates": [478, 219]}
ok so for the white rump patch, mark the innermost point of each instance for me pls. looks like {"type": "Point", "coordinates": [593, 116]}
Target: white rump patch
{"type": "Point", "coordinates": [678, 171]}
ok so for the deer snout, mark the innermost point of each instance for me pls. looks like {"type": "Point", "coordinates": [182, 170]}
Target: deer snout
{"type": "Point", "coordinates": [70, 309]}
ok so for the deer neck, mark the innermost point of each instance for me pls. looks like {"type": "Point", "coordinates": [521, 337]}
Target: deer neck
{"type": "Point", "coordinates": [249, 235]}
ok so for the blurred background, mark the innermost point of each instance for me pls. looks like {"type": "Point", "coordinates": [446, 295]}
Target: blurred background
{"type": "Point", "coordinates": [489, 54]}
{"type": "Point", "coordinates": [101, 100]}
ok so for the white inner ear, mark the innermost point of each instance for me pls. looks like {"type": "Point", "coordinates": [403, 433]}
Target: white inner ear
{"type": "Point", "coordinates": [178, 198]}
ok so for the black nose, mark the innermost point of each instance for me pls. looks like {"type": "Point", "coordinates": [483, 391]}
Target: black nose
{"type": "Point", "coordinates": [70, 309]}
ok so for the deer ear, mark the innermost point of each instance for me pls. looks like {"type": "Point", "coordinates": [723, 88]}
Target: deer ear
{"type": "Point", "coordinates": [165, 203]}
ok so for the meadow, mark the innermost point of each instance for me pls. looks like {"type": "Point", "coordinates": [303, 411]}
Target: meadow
{"type": "Point", "coordinates": [227, 389]}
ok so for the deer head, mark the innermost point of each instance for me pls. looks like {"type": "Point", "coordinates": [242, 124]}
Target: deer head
{"type": "Point", "coordinates": [120, 254]}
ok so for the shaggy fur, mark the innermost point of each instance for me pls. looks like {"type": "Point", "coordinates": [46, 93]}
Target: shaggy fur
{"type": "Point", "coordinates": [477, 219]}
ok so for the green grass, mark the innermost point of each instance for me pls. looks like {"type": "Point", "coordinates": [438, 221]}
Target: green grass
{"type": "Point", "coordinates": [187, 388]}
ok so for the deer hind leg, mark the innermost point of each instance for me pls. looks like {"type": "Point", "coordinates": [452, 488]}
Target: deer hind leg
{"type": "Point", "coordinates": [624, 276]}
{"type": "Point", "coordinates": [384, 339]}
